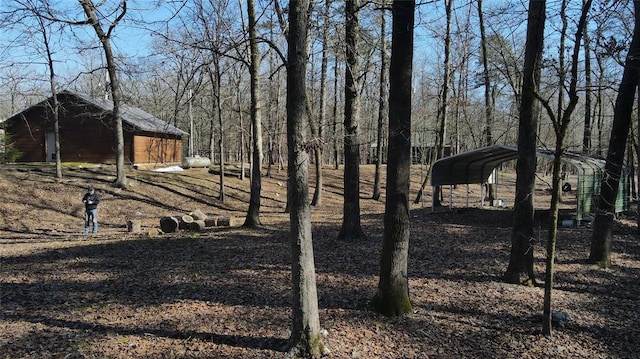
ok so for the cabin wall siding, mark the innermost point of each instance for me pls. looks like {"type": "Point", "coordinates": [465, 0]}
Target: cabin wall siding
{"type": "Point", "coordinates": [27, 136]}
{"type": "Point", "coordinates": [156, 149]}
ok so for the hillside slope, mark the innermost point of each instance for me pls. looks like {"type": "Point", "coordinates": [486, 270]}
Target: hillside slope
{"type": "Point", "coordinates": [225, 292]}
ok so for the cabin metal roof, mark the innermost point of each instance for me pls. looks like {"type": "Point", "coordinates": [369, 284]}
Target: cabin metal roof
{"type": "Point", "coordinates": [132, 116]}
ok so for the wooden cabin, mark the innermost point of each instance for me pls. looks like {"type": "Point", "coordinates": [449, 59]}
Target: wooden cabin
{"type": "Point", "coordinates": [87, 133]}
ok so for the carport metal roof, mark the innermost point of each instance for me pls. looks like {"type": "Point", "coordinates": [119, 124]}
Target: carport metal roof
{"type": "Point", "coordinates": [471, 167]}
{"type": "Point", "coordinates": [477, 165]}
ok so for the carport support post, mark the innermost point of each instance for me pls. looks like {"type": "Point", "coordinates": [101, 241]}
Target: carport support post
{"type": "Point", "coordinates": [467, 195]}
{"type": "Point", "coordinates": [578, 204]}
{"type": "Point", "coordinates": [450, 197]}
{"type": "Point", "coordinates": [481, 195]}
{"type": "Point", "coordinates": [433, 200]}
{"type": "Point", "coordinates": [495, 180]}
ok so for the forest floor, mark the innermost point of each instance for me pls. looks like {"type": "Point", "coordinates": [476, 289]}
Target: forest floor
{"type": "Point", "coordinates": [226, 292]}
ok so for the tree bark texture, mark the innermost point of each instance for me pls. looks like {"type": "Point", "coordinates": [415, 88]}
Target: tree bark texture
{"type": "Point", "coordinates": [443, 112]}
{"type": "Point", "coordinates": [586, 134]}
{"type": "Point", "coordinates": [551, 246]}
{"type": "Point", "coordinates": [351, 226]}
{"type": "Point", "coordinates": [221, 138]}
{"type": "Point", "coordinates": [253, 214]}
{"type": "Point", "coordinates": [520, 269]}
{"type": "Point", "coordinates": [322, 117]}
{"type": "Point", "coordinates": [55, 108]}
{"type": "Point", "coordinates": [637, 145]}
{"type": "Point", "coordinates": [306, 339]}
{"type": "Point", "coordinates": [105, 39]}
{"type": "Point", "coordinates": [336, 153]}
{"type": "Point", "coordinates": [488, 103]}
{"type": "Point", "coordinates": [392, 297]}
{"type": "Point", "coordinates": [600, 252]}
{"type": "Point", "coordinates": [561, 124]}
{"type": "Point", "coordinates": [383, 111]}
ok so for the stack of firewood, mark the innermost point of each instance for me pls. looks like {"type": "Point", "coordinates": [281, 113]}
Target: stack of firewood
{"type": "Point", "coordinates": [195, 221]}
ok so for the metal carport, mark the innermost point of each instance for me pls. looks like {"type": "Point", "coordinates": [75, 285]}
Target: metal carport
{"type": "Point", "coordinates": [477, 165]}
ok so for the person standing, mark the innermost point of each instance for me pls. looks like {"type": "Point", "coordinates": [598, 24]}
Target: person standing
{"type": "Point", "coordinates": [91, 200]}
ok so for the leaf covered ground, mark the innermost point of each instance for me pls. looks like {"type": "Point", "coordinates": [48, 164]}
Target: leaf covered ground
{"type": "Point", "coordinates": [225, 292]}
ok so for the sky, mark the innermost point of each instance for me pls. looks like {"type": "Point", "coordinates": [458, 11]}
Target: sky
{"type": "Point", "coordinates": [133, 39]}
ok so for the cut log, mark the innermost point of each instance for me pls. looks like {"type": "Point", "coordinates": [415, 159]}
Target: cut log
{"type": "Point", "coordinates": [184, 221]}
{"type": "Point", "coordinates": [211, 221]}
{"type": "Point", "coordinates": [169, 224]}
{"type": "Point", "coordinates": [134, 225]}
{"type": "Point", "coordinates": [197, 226]}
{"type": "Point", "coordinates": [198, 215]}
{"type": "Point", "coordinates": [226, 221]}
{"type": "Point", "coordinates": [187, 218]}
{"type": "Point", "coordinates": [154, 232]}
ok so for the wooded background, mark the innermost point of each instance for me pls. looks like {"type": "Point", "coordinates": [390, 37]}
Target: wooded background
{"type": "Point", "coordinates": [187, 63]}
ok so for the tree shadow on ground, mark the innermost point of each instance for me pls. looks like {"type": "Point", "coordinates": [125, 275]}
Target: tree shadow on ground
{"type": "Point", "coordinates": [455, 263]}
{"type": "Point", "coordinates": [275, 344]}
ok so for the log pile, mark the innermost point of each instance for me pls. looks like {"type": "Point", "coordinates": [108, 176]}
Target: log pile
{"type": "Point", "coordinates": [196, 221]}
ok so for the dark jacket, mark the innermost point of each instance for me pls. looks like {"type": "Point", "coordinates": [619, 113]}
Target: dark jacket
{"type": "Point", "coordinates": [90, 200]}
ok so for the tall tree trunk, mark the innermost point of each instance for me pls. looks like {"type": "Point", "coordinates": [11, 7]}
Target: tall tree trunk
{"type": "Point", "coordinates": [382, 103]}
{"type": "Point", "coordinates": [444, 107]}
{"type": "Point", "coordinates": [317, 150]}
{"type": "Point", "coordinates": [306, 339]}
{"type": "Point", "coordinates": [336, 153]}
{"type": "Point", "coordinates": [351, 226]}
{"type": "Point", "coordinates": [561, 124]}
{"type": "Point", "coordinates": [551, 241]}
{"type": "Point", "coordinates": [438, 151]}
{"type": "Point", "coordinates": [105, 39]}
{"type": "Point", "coordinates": [599, 103]}
{"type": "Point", "coordinates": [600, 252]}
{"type": "Point", "coordinates": [520, 269]}
{"type": "Point", "coordinates": [253, 214]}
{"type": "Point", "coordinates": [218, 96]}
{"type": "Point", "coordinates": [488, 103]}
{"type": "Point", "coordinates": [586, 134]}
{"type": "Point", "coordinates": [241, 119]}
{"type": "Point", "coordinates": [392, 297]}
{"type": "Point", "coordinates": [637, 147]}
{"type": "Point", "coordinates": [54, 94]}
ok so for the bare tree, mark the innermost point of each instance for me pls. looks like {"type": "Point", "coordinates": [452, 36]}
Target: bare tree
{"type": "Point", "coordinates": [438, 151]}
{"type": "Point", "coordinates": [600, 252]}
{"type": "Point", "coordinates": [21, 15]}
{"type": "Point", "coordinates": [54, 94]}
{"type": "Point", "coordinates": [382, 101]}
{"type": "Point", "coordinates": [636, 144]}
{"type": "Point", "coordinates": [253, 213]}
{"type": "Point", "coordinates": [336, 153]}
{"type": "Point", "coordinates": [105, 40]}
{"type": "Point", "coordinates": [392, 297]}
{"type": "Point", "coordinates": [586, 134]}
{"type": "Point", "coordinates": [560, 121]}
{"type": "Point", "coordinates": [488, 102]}
{"type": "Point", "coordinates": [317, 149]}
{"type": "Point", "coordinates": [351, 225]}
{"type": "Point", "coordinates": [306, 339]}
{"type": "Point", "coordinates": [520, 269]}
